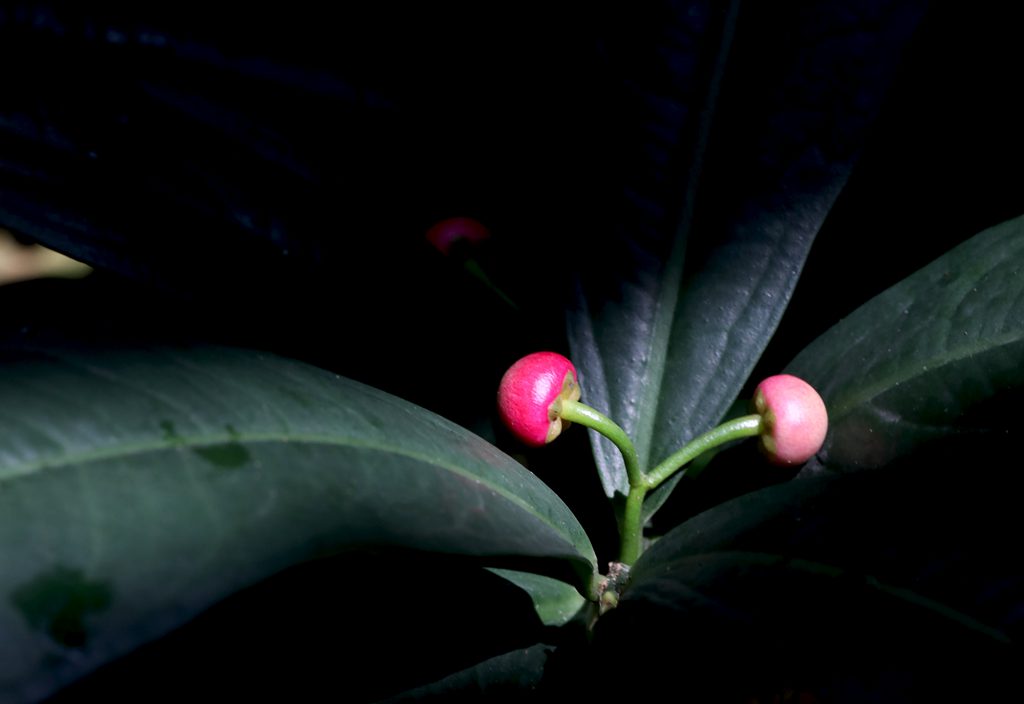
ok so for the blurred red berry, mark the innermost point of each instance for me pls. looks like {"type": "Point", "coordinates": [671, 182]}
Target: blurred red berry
{"type": "Point", "coordinates": [445, 234]}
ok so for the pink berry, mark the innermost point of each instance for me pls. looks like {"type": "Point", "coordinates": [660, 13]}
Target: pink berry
{"type": "Point", "coordinates": [794, 417]}
{"type": "Point", "coordinates": [530, 395]}
{"type": "Point", "coordinates": [445, 234]}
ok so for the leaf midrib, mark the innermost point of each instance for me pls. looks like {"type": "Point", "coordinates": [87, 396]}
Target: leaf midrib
{"type": "Point", "coordinates": [669, 295]}
{"type": "Point", "coordinates": [31, 469]}
{"type": "Point", "coordinates": [903, 374]}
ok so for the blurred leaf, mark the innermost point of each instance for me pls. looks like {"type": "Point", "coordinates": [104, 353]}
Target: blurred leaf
{"type": "Point", "coordinates": [516, 674]}
{"type": "Point", "coordinates": [257, 161]}
{"type": "Point", "coordinates": [116, 166]}
{"type": "Point", "coordinates": [936, 355]}
{"type": "Point", "coordinates": [556, 602]}
{"type": "Point", "coordinates": [137, 487]}
{"type": "Point", "coordinates": [765, 113]}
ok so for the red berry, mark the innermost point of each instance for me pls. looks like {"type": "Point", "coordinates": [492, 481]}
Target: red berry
{"type": "Point", "coordinates": [445, 234]}
{"type": "Point", "coordinates": [794, 417]}
{"type": "Point", "coordinates": [530, 395]}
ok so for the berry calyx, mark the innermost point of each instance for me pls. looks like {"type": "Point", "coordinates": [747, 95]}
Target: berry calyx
{"type": "Point", "coordinates": [446, 234]}
{"type": "Point", "coordinates": [531, 393]}
{"type": "Point", "coordinates": [794, 419]}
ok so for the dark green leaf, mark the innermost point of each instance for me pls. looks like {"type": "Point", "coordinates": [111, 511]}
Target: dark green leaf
{"type": "Point", "coordinates": [670, 322]}
{"type": "Point", "coordinates": [719, 576]}
{"type": "Point", "coordinates": [936, 355]}
{"type": "Point", "coordinates": [844, 584]}
{"type": "Point", "coordinates": [516, 674]}
{"type": "Point", "coordinates": [137, 487]}
{"type": "Point", "coordinates": [724, 626]}
{"type": "Point", "coordinates": [930, 533]}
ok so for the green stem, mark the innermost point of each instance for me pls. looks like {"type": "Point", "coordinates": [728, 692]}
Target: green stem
{"type": "Point", "coordinates": [632, 526]}
{"type": "Point", "coordinates": [744, 427]}
{"type": "Point", "coordinates": [581, 413]}
{"type": "Point", "coordinates": [472, 266]}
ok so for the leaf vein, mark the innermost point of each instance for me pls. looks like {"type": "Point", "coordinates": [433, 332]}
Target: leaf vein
{"type": "Point", "coordinates": [13, 473]}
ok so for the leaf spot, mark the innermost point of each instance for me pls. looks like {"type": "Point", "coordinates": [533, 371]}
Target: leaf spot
{"type": "Point", "coordinates": [227, 455]}
{"type": "Point", "coordinates": [170, 433]}
{"type": "Point", "coordinates": [58, 602]}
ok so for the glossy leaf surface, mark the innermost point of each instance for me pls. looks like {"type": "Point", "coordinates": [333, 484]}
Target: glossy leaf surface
{"type": "Point", "coordinates": [137, 487]}
{"type": "Point", "coordinates": [935, 356]}
{"type": "Point", "coordinates": [762, 133]}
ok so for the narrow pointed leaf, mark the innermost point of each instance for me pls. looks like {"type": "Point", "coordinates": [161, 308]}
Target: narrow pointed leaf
{"type": "Point", "coordinates": [670, 324]}
{"type": "Point", "coordinates": [555, 601]}
{"type": "Point", "coordinates": [938, 354]}
{"type": "Point", "coordinates": [138, 487]}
